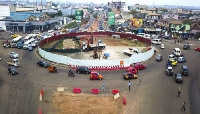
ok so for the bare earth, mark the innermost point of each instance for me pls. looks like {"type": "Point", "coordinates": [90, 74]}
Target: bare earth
{"type": "Point", "coordinates": [69, 103]}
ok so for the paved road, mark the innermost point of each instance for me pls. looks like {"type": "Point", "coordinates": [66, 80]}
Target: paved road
{"type": "Point", "coordinates": [152, 93]}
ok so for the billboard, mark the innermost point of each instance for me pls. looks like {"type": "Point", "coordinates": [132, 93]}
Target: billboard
{"type": "Point", "coordinates": [111, 18]}
{"type": "Point", "coordinates": [79, 14]}
{"type": "Point", "coordinates": [137, 22]}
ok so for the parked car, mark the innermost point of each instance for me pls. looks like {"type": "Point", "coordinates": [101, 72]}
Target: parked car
{"type": "Point", "coordinates": [197, 49]}
{"type": "Point", "coordinates": [83, 70]}
{"type": "Point", "coordinates": [159, 57]}
{"type": "Point", "coordinates": [132, 70]}
{"type": "Point", "coordinates": [162, 46]}
{"type": "Point", "coordinates": [178, 78]}
{"type": "Point", "coordinates": [96, 76]}
{"type": "Point", "coordinates": [140, 66]}
{"type": "Point", "coordinates": [13, 55]}
{"type": "Point", "coordinates": [12, 70]}
{"type": "Point", "coordinates": [186, 46]}
{"type": "Point", "coordinates": [30, 48]}
{"type": "Point", "coordinates": [42, 63]}
{"type": "Point", "coordinates": [184, 70]}
{"type": "Point", "coordinates": [129, 75]}
{"type": "Point", "coordinates": [169, 70]}
{"type": "Point", "coordinates": [181, 59]}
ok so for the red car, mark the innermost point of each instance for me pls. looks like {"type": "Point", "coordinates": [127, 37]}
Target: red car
{"type": "Point", "coordinates": [197, 49]}
{"type": "Point", "coordinates": [96, 76]}
{"type": "Point", "coordinates": [132, 70]}
{"type": "Point", "coordinates": [140, 66]}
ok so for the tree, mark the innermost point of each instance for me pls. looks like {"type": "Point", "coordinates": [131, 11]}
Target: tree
{"type": "Point", "coordinates": [59, 13]}
{"type": "Point", "coordinates": [186, 21]}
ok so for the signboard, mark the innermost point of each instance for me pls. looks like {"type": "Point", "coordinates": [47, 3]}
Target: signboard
{"type": "Point", "coordinates": [78, 15]}
{"type": "Point", "coordinates": [111, 18]}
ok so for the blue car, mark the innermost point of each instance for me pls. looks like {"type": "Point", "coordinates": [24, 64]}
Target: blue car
{"type": "Point", "coordinates": [169, 64]}
{"type": "Point", "coordinates": [181, 59]}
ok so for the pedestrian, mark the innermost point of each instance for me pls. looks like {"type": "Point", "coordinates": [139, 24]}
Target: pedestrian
{"type": "Point", "coordinates": [103, 87]}
{"type": "Point", "coordinates": [183, 107]}
{"type": "Point", "coordinates": [179, 91]}
{"type": "Point", "coordinates": [129, 85]}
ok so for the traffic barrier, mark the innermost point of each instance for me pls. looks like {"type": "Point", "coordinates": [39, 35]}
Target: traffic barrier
{"type": "Point", "coordinates": [95, 91]}
{"type": "Point", "coordinates": [124, 100]}
{"type": "Point", "coordinates": [40, 111]}
{"type": "Point", "coordinates": [115, 91]}
{"type": "Point", "coordinates": [41, 94]}
{"type": "Point", "coordinates": [77, 90]}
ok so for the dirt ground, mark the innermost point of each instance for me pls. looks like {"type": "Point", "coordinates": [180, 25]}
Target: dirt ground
{"type": "Point", "coordinates": [69, 103]}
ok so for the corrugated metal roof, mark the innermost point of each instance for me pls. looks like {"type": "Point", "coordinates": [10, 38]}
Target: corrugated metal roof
{"type": "Point", "coordinates": [22, 16]}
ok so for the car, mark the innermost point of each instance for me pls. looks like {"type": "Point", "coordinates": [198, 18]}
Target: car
{"type": "Point", "coordinates": [42, 63]}
{"type": "Point", "coordinates": [84, 70]}
{"type": "Point", "coordinates": [129, 75]}
{"type": "Point", "coordinates": [162, 46]}
{"type": "Point", "coordinates": [172, 57]}
{"type": "Point", "coordinates": [184, 70]}
{"type": "Point", "coordinates": [12, 70]}
{"type": "Point", "coordinates": [159, 57]}
{"type": "Point", "coordinates": [13, 55]}
{"type": "Point", "coordinates": [30, 48]}
{"type": "Point", "coordinates": [186, 46]}
{"type": "Point", "coordinates": [140, 66]}
{"type": "Point", "coordinates": [132, 70]}
{"type": "Point", "coordinates": [197, 49]}
{"type": "Point", "coordinates": [95, 76]}
{"type": "Point", "coordinates": [181, 59]}
{"type": "Point", "coordinates": [169, 63]}
{"type": "Point", "coordinates": [14, 36]}
{"type": "Point", "coordinates": [169, 70]}
{"type": "Point", "coordinates": [174, 62]}
{"type": "Point", "coordinates": [178, 78]}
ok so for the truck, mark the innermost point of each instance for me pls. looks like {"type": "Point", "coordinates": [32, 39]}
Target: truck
{"type": "Point", "coordinates": [88, 47]}
{"type": "Point", "coordinates": [131, 51]}
{"type": "Point", "coordinates": [14, 62]}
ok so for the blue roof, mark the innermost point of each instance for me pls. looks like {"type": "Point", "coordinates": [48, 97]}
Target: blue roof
{"type": "Point", "coordinates": [22, 16]}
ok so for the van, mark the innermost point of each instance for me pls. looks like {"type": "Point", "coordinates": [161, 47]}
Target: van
{"type": "Point", "coordinates": [156, 41]}
{"type": "Point", "coordinates": [140, 34]}
{"type": "Point", "coordinates": [177, 51]}
{"type": "Point", "coordinates": [51, 32]}
{"type": "Point", "coordinates": [29, 43]}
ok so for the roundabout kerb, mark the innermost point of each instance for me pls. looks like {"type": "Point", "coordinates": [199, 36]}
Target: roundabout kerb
{"type": "Point", "coordinates": [96, 64]}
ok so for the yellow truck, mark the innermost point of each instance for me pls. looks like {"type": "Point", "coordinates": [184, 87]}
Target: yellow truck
{"type": "Point", "coordinates": [14, 62]}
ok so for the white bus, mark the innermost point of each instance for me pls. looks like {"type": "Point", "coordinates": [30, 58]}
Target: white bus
{"type": "Point", "coordinates": [17, 39]}
{"type": "Point", "coordinates": [28, 37]}
{"type": "Point", "coordinates": [156, 41]}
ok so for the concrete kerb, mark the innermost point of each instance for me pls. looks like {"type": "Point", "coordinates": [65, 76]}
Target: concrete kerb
{"type": "Point", "coordinates": [51, 62]}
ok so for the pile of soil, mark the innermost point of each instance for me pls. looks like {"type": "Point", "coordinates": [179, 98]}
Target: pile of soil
{"type": "Point", "coordinates": [68, 103]}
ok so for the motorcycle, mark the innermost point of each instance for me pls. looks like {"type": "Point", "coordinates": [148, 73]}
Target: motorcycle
{"type": "Point", "coordinates": [71, 74]}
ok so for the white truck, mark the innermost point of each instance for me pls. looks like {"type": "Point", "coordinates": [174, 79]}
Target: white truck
{"type": "Point", "coordinates": [14, 62]}
{"type": "Point", "coordinates": [131, 51]}
{"type": "Point", "coordinates": [99, 45]}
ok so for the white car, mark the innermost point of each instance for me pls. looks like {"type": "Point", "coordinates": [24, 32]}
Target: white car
{"type": "Point", "coordinates": [162, 46]}
{"type": "Point", "coordinates": [13, 55]}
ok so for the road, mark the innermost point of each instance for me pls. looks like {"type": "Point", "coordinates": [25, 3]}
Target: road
{"type": "Point", "coordinates": [152, 93]}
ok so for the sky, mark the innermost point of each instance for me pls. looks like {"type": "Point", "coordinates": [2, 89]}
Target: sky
{"type": "Point", "coordinates": [142, 2]}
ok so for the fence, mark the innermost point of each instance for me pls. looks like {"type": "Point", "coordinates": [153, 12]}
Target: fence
{"type": "Point", "coordinates": [75, 62]}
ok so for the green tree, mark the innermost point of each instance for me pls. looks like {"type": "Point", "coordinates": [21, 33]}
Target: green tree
{"type": "Point", "coordinates": [59, 13]}
{"type": "Point", "coordinates": [186, 21]}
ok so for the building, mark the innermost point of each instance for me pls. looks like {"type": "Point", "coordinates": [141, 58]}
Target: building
{"type": "Point", "coordinates": [29, 21]}
{"type": "Point", "coordinates": [5, 11]}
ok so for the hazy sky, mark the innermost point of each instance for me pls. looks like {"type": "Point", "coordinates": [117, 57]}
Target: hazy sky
{"type": "Point", "coordinates": [147, 2]}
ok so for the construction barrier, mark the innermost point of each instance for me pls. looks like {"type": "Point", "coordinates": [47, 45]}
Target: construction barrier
{"type": "Point", "coordinates": [41, 94]}
{"type": "Point", "coordinates": [117, 67]}
{"type": "Point", "coordinates": [77, 90]}
{"type": "Point", "coordinates": [124, 100]}
{"type": "Point", "coordinates": [115, 91]}
{"type": "Point", "coordinates": [40, 111]}
{"type": "Point", "coordinates": [95, 91]}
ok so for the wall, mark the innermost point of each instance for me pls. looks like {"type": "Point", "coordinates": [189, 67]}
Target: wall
{"type": "Point", "coordinates": [69, 61]}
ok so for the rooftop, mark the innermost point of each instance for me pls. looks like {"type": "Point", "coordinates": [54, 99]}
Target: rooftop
{"type": "Point", "coordinates": [22, 16]}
